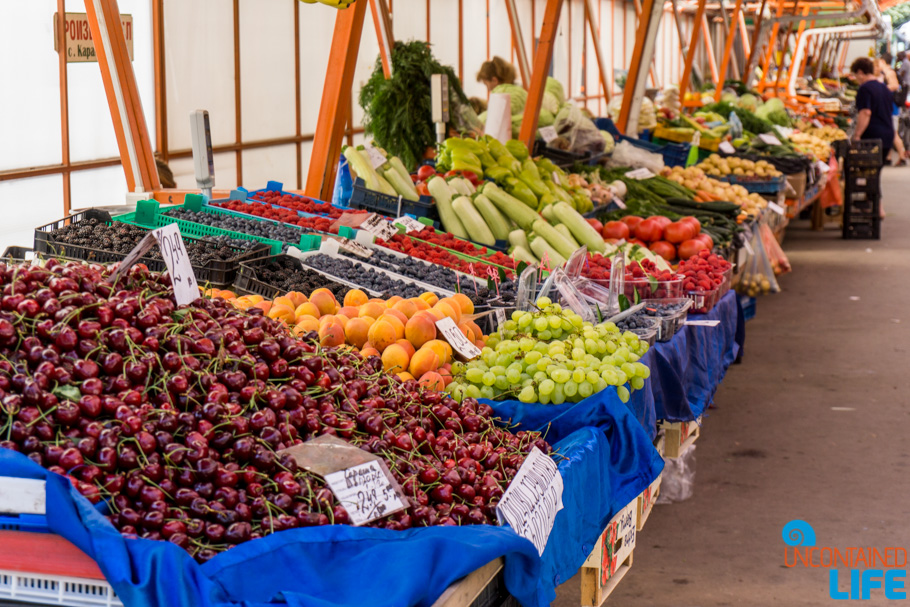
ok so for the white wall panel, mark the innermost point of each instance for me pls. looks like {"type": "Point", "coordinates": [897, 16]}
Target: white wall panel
{"type": "Point", "coordinates": [270, 164]}
{"type": "Point", "coordinates": [444, 32]}
{"type": "Point", "coordinates": [98, 187]}
{"type": "Point", "coordinates": [30, 116]}
{"type": "Point", "coordinates": [501, 34]}
{"type": "Point", "coordinates": [267, 96]}
{"type": "Point", "coordinates": [409, 19]}
{"type": "Point", "coordinates": [475, 46]}
{"type": "Point", "coordinates": [29, 203]}
{"type": "Point", "coordinates": [199, 68]}
{"type": "Point", "coordinates": [366, 61]}
{"type": "Point", "coordinates": [317, 22]}
{"type": "Point", "coordinates": [225, 171]}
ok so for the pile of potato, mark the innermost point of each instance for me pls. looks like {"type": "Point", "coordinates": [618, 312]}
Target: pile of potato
{"type": "Point", "coordinates": [826, 133]}
{"type": "Point", "coordinates": [810, 144]}
{"type": "Point", "coordinates": [717, 166]}
{"type": "Point", "coordinates": [695, 178]}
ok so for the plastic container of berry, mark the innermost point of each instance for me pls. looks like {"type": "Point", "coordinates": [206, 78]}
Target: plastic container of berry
{"type": "Point", "coordinates": [670, 312]}
{"type": "Point", "coordinates": [274, 191]}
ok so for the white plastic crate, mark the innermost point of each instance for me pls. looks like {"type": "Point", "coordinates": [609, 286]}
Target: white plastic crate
{"type": "Point", "coordinates": [41, 589]}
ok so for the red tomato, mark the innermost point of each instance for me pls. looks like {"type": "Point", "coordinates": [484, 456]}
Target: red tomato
{"type": "Point", "coordinates": [691, 248]}
{"type": "Point", "coordinates": [611, 240]}
{"type": "Point", "coordinates": [649, 230]}
{"type": "Point", "coordinates": [425, 172]}
{"type": "Point", "coordinates": [662, 221]}
{"type": "Point", "coordinates": [664, 249]}
{"type": "Point", "coordinates": [679, 231]}
{"type": "Point", "coordinates": [631, 221]}
{"type": "Point", "coordinates": [705, 238]}
{"type": "Point", "coordinates": [415, 178]}
{"type": "Point", "coordinates": [693, 221]}
{"type": "Point", "coordinates": [596, 224]}
{"type": "Point", "coordinates": [451, 174]}
{"type": "Point", "coordinates": [615, 229]}
{"type": "Point", "coordinates": [638, 242]}
{"type": "Point", "coordinates": [471, 176]}
{"type": "Point", "coordinates": [423, 190]}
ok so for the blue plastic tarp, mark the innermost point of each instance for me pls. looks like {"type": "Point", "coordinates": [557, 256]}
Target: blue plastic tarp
{"type": "Point", "coordinates": [342, 566]}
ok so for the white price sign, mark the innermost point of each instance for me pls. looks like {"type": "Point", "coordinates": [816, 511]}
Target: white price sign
{"type": "Point", "coordinates": [548, 133]}
{"type": "Point", "coordinates": [726, 147]}
{"type": "Point", "coordinates": [346, 244]}
{"type": "Point", "coordinates": [618, 202]}
{"type": "Point", "coordinates": [769, 139]}
{"type": "Point", "coordinates": [776, 208]}
{"type": "Point", "coordinates": [702, 323]}
{"type": "Point", "coordinates": [532, 500]}
{"type": "Point", "coordinates": [409, 224]}
{"type": "Point", "coordinates": [640, 174]}
{"type": "Point", "coordinates": [456, 339]}
{"type": "Point", "coordinates": [375, 156]}
{"type": "Point", "coordinates": [500, 315]}
{"type": "Point", "coordinates": [168, 239]}
{"type": "Point", "coordinates": [366, 491]}
{"type": "Point", "coordinates": [377, 225]}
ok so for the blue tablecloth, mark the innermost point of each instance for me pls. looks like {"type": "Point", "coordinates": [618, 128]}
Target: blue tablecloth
{"type": "Point", "coordinates": [348, 566]}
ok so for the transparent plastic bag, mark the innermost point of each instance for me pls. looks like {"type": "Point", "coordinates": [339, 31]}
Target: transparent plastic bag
{"type": "Point", "coordinates": [583, 136]}
{"type": "Point", "coordinates": [758, 274]}
{"type": "Point", "coordinates": [779, 262]}
{"type": "Point", "coordinates": [678, 481]}
{"type": "Point", "coordinates": [627, 155]}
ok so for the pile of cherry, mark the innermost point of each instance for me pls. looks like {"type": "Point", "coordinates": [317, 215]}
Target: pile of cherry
{"type": "Point", "coordinates": [177, 417]}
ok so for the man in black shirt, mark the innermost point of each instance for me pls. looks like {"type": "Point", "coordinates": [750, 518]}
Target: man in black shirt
{"type": "Point", "coordinates": [874, 105]}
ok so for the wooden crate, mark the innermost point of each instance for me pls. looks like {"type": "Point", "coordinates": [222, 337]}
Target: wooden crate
{"type": "Point", "coordinates": [611, 558]}
{"type": "Point", "coordinates": [482, 587]}
{"type": "Point", "coordinates": [645, 503]}
{"type": "Point", "coordinates": [680, 435]}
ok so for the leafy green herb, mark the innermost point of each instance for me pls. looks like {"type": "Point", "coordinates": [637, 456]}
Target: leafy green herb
{"type": "Point", "coordinates": [624, 303]}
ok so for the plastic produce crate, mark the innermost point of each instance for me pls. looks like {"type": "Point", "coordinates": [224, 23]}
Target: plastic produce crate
{"type": "Point", "coordinates": [42, 589]}
{"type": "Point", "coordinates": [33, 523]}
{"type": "Point", "coordinates": [864, 153]}
{"type": "Point", "coordinates": [248, 279]}
{"type": "Point", "coordinates": [563, 158]}
{"type": "Point", "coordinates": [758, 186]}
{"type": "Point", "coordinates": [391, 206]}
{"type": "Point", "coordinates": [216, 273]}
{"type": "Point", "coordinates": [862, 228]}
{"type": "Point", "coordinates": [18, 253]}
{"type": "Point", "coordinates": [277, 186]}
{"type": "Point", "coordinates": [664, 134]}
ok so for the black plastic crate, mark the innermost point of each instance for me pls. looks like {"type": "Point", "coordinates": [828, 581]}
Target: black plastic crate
{"type": "Point", "coordinates": [862, 228]}
{"type": "Point", "coordinates": [563, 158]}
{"type": "Point", "coordinates": [216, 273]}
{"type": "Point", "coordinates": [248, 280]}
{"type": "Point", "coordinates": [863, 207]}
{"type": "Point", "coordinates": [17, 253]}
{"type": "Point", "coordinates": [840, 147]}
{"type": "Point", "coordinates": [867, 183]}
{"type": "Point", "coordinates": [864, 153]}
{"type": "Point", "coordinates": [377, 202]}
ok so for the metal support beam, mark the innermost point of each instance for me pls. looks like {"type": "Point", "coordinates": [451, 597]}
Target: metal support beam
{"type": "Point", "coordinates": [339, 80]}
{"type": "Point", "coordinates": [683, 47]}
{"type": "Point", "coordinates": [122, 96]}
{"type": "Point", "coordinates": [728, 47]}
{"type": "Point", "coordinates": [642, 55]}
{"type": "Point", "coordinates": [744, 34]}
{"type": "Point", "coordinates": [709, 51]}
{"type": "Point", "coordinates": [595, 38]}
{"type": "Point", "coordinates": [651, 70]}
{"type": "Point", "coordinates": [518, 42]}
{"type": "Point", "coordinates": [690, 54]}
{"type": "Point", "coordinates": [542, 59]}
{"type": "Point", "coordinates": [382, 20]}
{"type": "Point", "coordinates": [756, 44]}
{"type": "Point", "coordinates": [772, 43]}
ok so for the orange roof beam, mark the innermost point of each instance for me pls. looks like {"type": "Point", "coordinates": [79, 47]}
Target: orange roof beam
{"type": "Point", "coordinates": [542, 59]}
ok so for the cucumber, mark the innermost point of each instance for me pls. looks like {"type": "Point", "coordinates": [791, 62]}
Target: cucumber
{"type": "Point", "coordinates": [495, 220]}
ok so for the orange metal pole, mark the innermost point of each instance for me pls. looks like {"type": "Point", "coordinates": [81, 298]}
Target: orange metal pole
{"type": "Point", "coordinates": [709, 50]}
{"type": "Point", "coordinates": [645, 39]}
{"type": "Point", "coordinates": [542, 59]}
{"type": "Point", "coordinates": [843, 57]}
{"type": "Point", "coordinates": [518, 42]}
{"type": "Point", "coordinates": [756, 35]}
{"type": "Point", "coordinates": [595, 38]}
{"type": "Point", "coordinates": [122, 96]}
{"type": "Point", "coordinates": [783, 54]}
{"type": "Point", "coordinates": [60, 32]}
{"type": "Point", "coordinates": [728, 47]}
{"type": "Point", "coordinates": [690, 53]}
{"type": "Point", "coordinates": [772, 42]}
{"type": "Point", "coordinates": [339, 80]}
{"type": "Point", "coordinates": [744, 33]}
{"type": "Point", "coordinates": [799, 35]}
{"type": "Point", "coordinates": [637, 4]}
{"type": "Point", "coordinates": [383, 34]}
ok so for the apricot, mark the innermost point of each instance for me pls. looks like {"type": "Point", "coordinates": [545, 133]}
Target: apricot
{"type": "Point", "coordinates": [436, 313]}
{"type": "Point", "coordinates": [282, 313]}
{"type": "Point", "coordinates": [423, 361]}
{"type": "Point", "coordinates": [406, 307]}
{"type": "Point", "coordinates": [467, 332]}
{"type": "Point", "coordinates": [255, 298]}
{"type": "Point", "coordinates": [442, 350]}
{"type": "Point", "coordinates": [405, 376]}
{"type": "Point", "coordinates": [297, 298]}
{"type": "Point", "coordinates": [356, 332]}
{"type": "Point", "coordinates": [467, 306]}
{"type": "Point", "coordinates": [306, 324]}
{"type": "Point", "coordinates": [350, 311]}
{"type": "Point", "coordinates": [395, 359]}
{"type": "Point", "coordinates": [419, 330]}
{"type": "Point", "coordinates": [331, 334]}
{"type": "Point", "coordinates": [367, 352]}
{"type": "Point", "coordinates": [307, 309]}
{"type": "Point", "coordinates": [395, 322]}
{"type": "Point", "coordinates": [445, 372]}
{"type": "Point", "coordinates": [408, 346]}
{"type": "Point", "coordinates": [284, 301]}
{"type": "Point", "coordinates": [420, 304]}
{"type": "Point", "coordinates": [355, 298]}
{"type": "Point", "coordinates": [372, 309]}
{"type": "Point", "coordinates": [456, 307]}
{"type": "Point", "coordinates": [391, 301]}
{"type": "Point", "coordinates": [324, 301]}
{"type": "Point", "coordinates": [432, 381]}
{"type": "Point", "coordinates": [449, 310]}
{"type": "Point", "coordinates": [382, 335]}
{"type": "Point", "coordinates": [342, 319]}
{"type": "Point", "coordinates": [430, 298]}
{"type": "Point", "coordinates": [402, 317]}
{"type": "Point", "coordinates": [265, 306]}
{"type": "Point", "coordinates": [478, 333]}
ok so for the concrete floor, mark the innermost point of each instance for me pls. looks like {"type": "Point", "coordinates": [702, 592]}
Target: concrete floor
{"type": "Point", "coordinates": [813, 425]}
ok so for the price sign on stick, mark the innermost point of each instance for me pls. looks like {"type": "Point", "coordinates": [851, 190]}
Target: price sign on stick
{"type": "Point", "coordinates": [168, 239]}
{"type": "Point", "coordinates": [726, 147]}
{"type": "Point", "coordinates": [642, 173]}
{"type": "Point", "coordinates": [354, 247]}
{"type": "Point", "coordinates": [409, 224]}
{"type": "Point", "coordinates": [377, 225]}
{"type": "Point", "coordinates": [533, 498]}
{"type": "Point", "coordinates": [776, 208]}
{"type": "Point", "coordinates": [452, 334]}
{"type": "Point", "coordinates": [366, 491]}
{"type": "Point", "coordinates": [618, 202]}
{"type": "Point", "coordinates": [702, 323]}
{"type": "Point", "coordinates": [548, 133]}
{"type": "Point", "coordinates": [375, 156]}
{"type": "Point", "coordinates": [769, 139]}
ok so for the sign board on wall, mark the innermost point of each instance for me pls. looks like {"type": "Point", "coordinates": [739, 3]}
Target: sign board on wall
{"type": "Point", "coordinates": [80, 47]}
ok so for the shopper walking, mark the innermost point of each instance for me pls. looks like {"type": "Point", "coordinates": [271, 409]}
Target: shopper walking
{"type": "Point", "coordinates": [887, 75]}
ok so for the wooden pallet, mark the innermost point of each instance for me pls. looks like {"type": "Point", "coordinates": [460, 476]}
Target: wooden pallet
{"type": "Point", "coordinates": [611, 558]}
{"type": "Point", "coordinates": [468, 590]}
{"type": "Point", "coordinates": [680, 435]}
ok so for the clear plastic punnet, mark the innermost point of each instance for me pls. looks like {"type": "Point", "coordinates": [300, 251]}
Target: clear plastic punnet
{"type": "Point", "coordinates": [576, 262]}
{"type": "Point", "coordinates": [527, 289]}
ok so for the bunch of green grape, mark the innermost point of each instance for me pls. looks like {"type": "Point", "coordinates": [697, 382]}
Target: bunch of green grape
{"type": "Point", "coordinates": [552, 356]}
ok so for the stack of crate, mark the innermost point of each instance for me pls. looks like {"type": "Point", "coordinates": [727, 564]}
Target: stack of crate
{"type": "Point", "coordinates": [862, 190]}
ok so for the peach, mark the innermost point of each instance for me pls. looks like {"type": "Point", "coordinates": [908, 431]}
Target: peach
{"type": "Point", "coordinates": [367, 352]}
{"type": "Point", "coordinates": [324, 301]}
{"type": "Point", "coordinates": [282, 313]}
{"type": "Point", "coordinates": [372, 309]}
{"type": "Point", "coordinates": [423, 361]}
{"type": "Point", "coordinates": [284, 301]}
{"type": "Point", "coordinates": [307, 324]}
{"type": "Point", "coordinates": [420, 304]}
{"type": "Point", "coordinates": [356, 332]}
{"type": "Point", "coordinates": [395, 359]}
{"type": "Point", "coordinates": [430, 298]}
{"type": "Point", "coordinates": [395, 322]}
{"type": "Point", "coordinates": [408, 346]}
{"type": "Point", "coordinates": [382, 335]}
{"type": "Point", "coordinates": [355, 298]}
{"type": "Point", "coordinates": [432, 381]}
{"type": "Point", "coordinates": [391, 301]}
{"type": "Point", "coordinates": [452, 310]}
{"type": "Point", "coordinates": [405, 376]}
{"type": "Point", "coordinates": [307, 309]}
{"type": "Point", "coordinates": [445, 372]}
{"type": "Point", "coordinates": [419, 330]}
{"type": "Point", "coordinates": [331, 334]}
{"type": "Point", "coordinates": [297, 298]}
{"type": "Point", "coordinates": [442, 349]}
{"type": "Point", "coordinates": [350, 311]}
{"type": "Point", "coordinates": [406, 307]}
{"type": "Point", "coordinates": [467, 306]}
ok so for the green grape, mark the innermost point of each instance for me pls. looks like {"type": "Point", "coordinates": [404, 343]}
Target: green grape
{"type": "Point", "coordinates": [578, 375]}
{"type": "Point", "coordinates": [524, 376]}
{"type": "Point", "coordinates": [493, 341]}
{"type": "Point", "coordinates": [623, 393]}
{"type": "Point", "coordinates": [531, 369]}
{"type": "Point", "coordinates": [556, 333]}
{"type": "Point", "coordinates": [561, 376]}
{"type": "Point", "coordinates": [545, 335]}
{"type": "Point", "coordinates": [628, 369]}
{"type": "Point", "coordinates": [611, 347]}
{"type": "Point", "coordinates": [526, 344]}
{"type": "Point", "coordinates": [544, 363]}
{"type": "Point", "coordinates": [642, 370]}
{"type": "Point", "coordinates": [502, 382]}
{"type": "Point", "coordinates": [555, 322]}
{"type": "Point", "coordinates": [585, 389]}
{"type": "Point", "coordinates": [474, 375]}
{"type": "Point", "coordinates": [577, 321]}
{"type": "Point", "coordinates": [489, 378]}
{"type": "Point", "coordinates": [498, 370]}
{"type": "Point", "coordinates": [510, 325]}
{"type": "Point", "coordinates": [600, 385]}
{"type": "Point", "coordinates": [516, 315]}
{"type": "Point", "coordinates": [532, 358]}
{"type": "Point", "coordinates": [540, 323]}
{"type": "Point", "coordinates": [590, 346]}
{"type": "Point", "coordinates": [566, 325]}
{"type": "Point", "coordinates": [513, 376]}
{"type": "Point", "coordinates": [517, 365]}
{"type": "Point", "coordinates": [546, 387]}
{"type": "Point", "coordinates": [524, 321]}
{"type": "Point", "coordinates": [543, 302]}
{"type": "Point", "coordinates": [637, 383]}
{"type": "Point", "coordinates": [544, 399]}
{"type": "Point", "coordinates": [571, 388]}
{"type": "Point", "coordinates": [487, 392]}
{"type": "Point", "coordinates": [472, 392]}
{"type": "Point", "coordinates": [457, 367]}
{"type": "Point", "coordinates": [591, 376]}
{"type": "Point", "coordinates": [527, 382]}
{"type": "Point", "coordinates": [558, 396]}
{"type": "Point", "coordinates": [633, 357]}
{"type": "Point", "coordinates": [578, 354]}
{"type": "Point", "coordinates": [542, 347]}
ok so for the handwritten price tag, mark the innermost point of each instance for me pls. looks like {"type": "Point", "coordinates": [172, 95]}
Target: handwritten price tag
{"type": "Point", "coordinates": [377, 225]}
{"type": "Point", "coordinates": [776, 208]}
{"type": "Point", "coordinates": [409, 224]}
{"type": "Point", "coordinates": [726, 147]}
{"type": "Point", "coordinates": [618, 202]}
{"type": "Point", "coordinates": [168, 239]}
{"type": "Point", "coordinates": [356, 248]}
{"type": "Point", "coordinates": [532, 500]}
{"type": "Point", "coordinates": [548, 133]}
{"type": "Point", "coordinates": [366, 491]}
{"type": "Point", "coordinates": [640, 174]}
{"type": "Point", "coordinates": [456, 339]}
{"type": "Point", "coordinates": [769, 139]}
{"type": "Point", "coordinates": [500, 316]}
{"type": "Point", "coordinates": [375, 156]}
